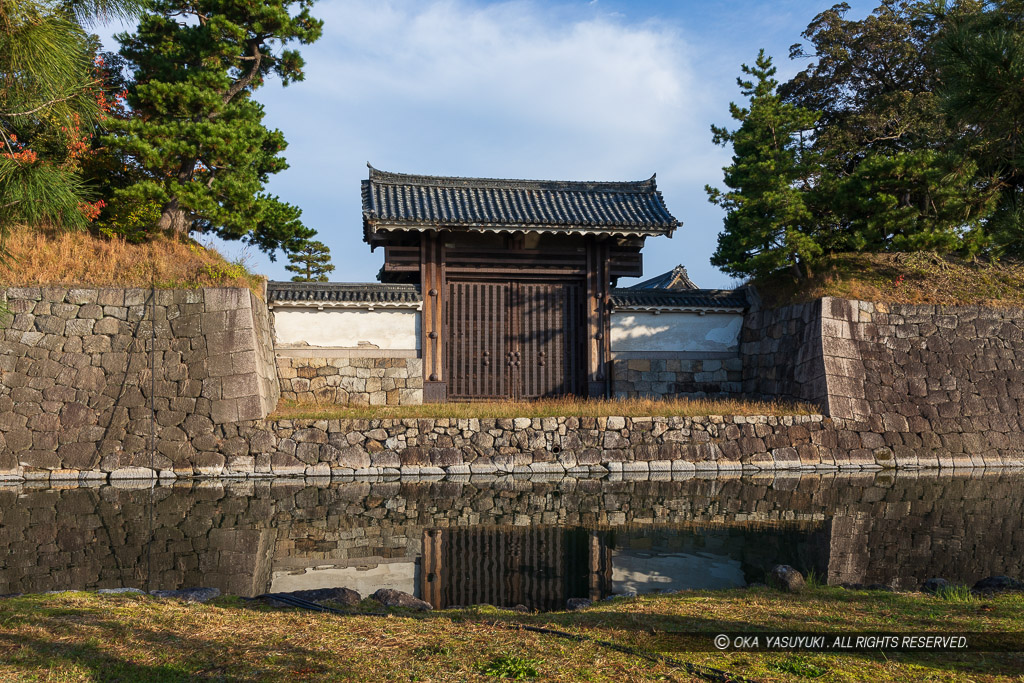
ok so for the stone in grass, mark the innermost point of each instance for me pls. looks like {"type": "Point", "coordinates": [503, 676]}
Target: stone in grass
{"type": "Point", "coordinates": [934, 585]}
{"type": "Point", "coordinates": [189, 594]}
{"type": "Point", "coordinates": [997, 584]}
{"type": "Point", "coordinates": [574, 604]}
{"type": "Point", "coordinates": [389, 597]}
{"type": "Point", "coordinates": [785, 578]}
{"type": "Point", "coordinates": [343, 596]}
{"type": "Point", "coordinates": [117, 591]}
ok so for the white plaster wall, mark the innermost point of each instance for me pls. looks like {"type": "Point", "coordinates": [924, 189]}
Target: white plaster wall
{"type": "Point", "coordinates": [362, 579]}
{"type": "Point", "coordinates": [349, 328]}
{"type": "Point", "coordinates": [645, 331]}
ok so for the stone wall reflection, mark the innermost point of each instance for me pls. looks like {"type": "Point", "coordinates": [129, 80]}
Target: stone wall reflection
{"type": "Point", "coordinates": [249, 537]}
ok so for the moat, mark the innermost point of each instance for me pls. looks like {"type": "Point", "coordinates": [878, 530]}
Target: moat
{"type": "Point", "coordinates": [513, 540]}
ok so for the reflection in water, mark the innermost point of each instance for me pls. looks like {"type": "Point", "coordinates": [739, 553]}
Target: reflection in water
{"type": "Point", "coordinates": [512, 541]}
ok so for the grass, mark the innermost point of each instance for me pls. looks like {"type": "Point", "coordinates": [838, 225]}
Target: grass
{"type": "Point", "coordinates": [555, 407]}
{"type": "Point", "coordinates": [83, 636]}
{"type": "Point", "coordinates": [42, 257]}
{"type": "Point", "coordinates": [955, 594]}
{"type": "Point", "coordinates": [911, 278]}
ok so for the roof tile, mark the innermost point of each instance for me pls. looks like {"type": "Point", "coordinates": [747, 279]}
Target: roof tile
{"type": "Point", "coordinates": [400, 201]}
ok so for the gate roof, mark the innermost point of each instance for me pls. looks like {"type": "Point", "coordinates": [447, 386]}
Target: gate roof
{"type": "Point", "coordinates": [401, 202]}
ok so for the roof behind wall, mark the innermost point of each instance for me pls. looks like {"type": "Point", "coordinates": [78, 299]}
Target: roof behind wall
{"type": "Point", "coordinates": [341, 293]}
{"type": "Point", "coordinates": [631, 298]}
{"type": "Point", "coordinates": [401, 202]}
{"type": "Point", "coordinates": [677, 278]}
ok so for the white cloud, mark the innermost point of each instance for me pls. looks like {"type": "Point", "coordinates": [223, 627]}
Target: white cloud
{"type": "Point", "coordinates": [511, 89]}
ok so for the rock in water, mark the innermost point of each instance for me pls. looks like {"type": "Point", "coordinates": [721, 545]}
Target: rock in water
{"type": "Point", "coordinates": [189, 594]}
{"type": "Point", "coordinates": [997, 584]}
{"type": "Point", "coordinates": [785, 578]}
{"type": "Point", "coordinates": [343, 596]}
{"type": "Point", "coordinates": [389, 597]}
{"type": "Point", "coordinates": [573, 604]}
{"type": "Point", "coordinates": [933, 585]}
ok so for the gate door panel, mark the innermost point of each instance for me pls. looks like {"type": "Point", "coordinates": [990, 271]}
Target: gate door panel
{"type": "Point", "coordinates": [477, 340]}
{"type": "Point", "coordinates": [548, 338]}
{"type": "Point", "coordinates": [514, 340]}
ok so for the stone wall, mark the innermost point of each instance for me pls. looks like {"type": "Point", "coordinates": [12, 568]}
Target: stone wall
{"type": "Point", "coordinates": [583, 446]}
{"type": "Point", "coordinates": [350, 377]}
{"type": "Point", "coordinates": [107, 380]}
{"type": "Point", "coordinates": [912, 381]}
{"type": "Point", "coordinates": [781, 356]}
{"type": "Point", "coordinates": [667, 377]}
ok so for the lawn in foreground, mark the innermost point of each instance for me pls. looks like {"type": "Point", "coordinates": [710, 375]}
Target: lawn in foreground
{"type": "Point", "coordinates": [80, 636]}
{"type": "Point", "coordinates": [553, 407]}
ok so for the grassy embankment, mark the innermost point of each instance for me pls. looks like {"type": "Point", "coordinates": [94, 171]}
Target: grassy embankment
{"type": "Point", "coordinates": [39, 257]}
{"type": "Point", "coordinates": [912, 278]}
{"type": "Point", "coordinates": [80, 636]}
{"type": "Point", "coordinates": [555, 407]}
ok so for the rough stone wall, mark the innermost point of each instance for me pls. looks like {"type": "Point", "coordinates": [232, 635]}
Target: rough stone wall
{"type": "Point", "coordinates": [351, 379]}
{"type": "Point", "coordinates": [938, 366]}
{"type": "Point", "coordinates": [912, 382]}
{"type": "Point", "coordinates": [781, 354]}
{"type": "Point", "coordinates": [583, 445]}
{"type": "Point", "coordinates": [233, 535]}
{"type": "Point", "coordinates": [667, 377]}
{"type": "Point", "coordinates": [92, 379]}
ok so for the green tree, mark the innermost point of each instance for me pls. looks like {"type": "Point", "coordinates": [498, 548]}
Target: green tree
{"type": "Point", "coordinates": [768, 225]}
{"type": "Point", "coordinates": [196, 139]}
{"type": "Point", "coordinates": [882, 136]}
{"type": "Point", "coordinates": [980, 57]}
{"type": "Point", "coordinates": [50, 104]}
{"type": "Point", "coordinates": [311, 260]}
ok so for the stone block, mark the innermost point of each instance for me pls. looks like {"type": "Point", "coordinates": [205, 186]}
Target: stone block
{"type": "Point", "coordinates": [238, 386]}
{"type": "Point", "coordinates": [225, 298]}
{"type": "Point", "coordinates": [224, 411]}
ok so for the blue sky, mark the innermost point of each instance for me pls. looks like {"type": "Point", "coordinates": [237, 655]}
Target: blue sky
{"type": "Point", "coordinates": [577, 90]}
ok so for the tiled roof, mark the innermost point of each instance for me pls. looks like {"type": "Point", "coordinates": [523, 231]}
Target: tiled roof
{"type": "Point", "coordinates": [340, 293]}
{"type": "Point", "coordinates": [631, 297]}
{"type": "Point", "coordinates": [396, 201]}
{"type": "Point", "coordinates": [677, 278]}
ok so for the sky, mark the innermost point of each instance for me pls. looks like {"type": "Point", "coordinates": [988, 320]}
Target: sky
{"type": "Point", "coordinates": [604, 90]}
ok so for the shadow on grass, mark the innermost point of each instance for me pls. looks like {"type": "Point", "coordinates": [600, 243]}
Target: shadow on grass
{"type": "Point", "coordinates": [79, 638]}
{"type": "Point", "coordinates": [101, 665]}
{"type": "Point", "coordinates": [653, 632]}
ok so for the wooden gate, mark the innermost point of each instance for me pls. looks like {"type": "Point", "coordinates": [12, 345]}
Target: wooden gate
{"type": "Point", "coordinates": [516, 340]}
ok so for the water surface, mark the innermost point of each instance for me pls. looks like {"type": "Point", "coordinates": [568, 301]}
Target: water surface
{"type": "Point", "coordinates": [513, 541]}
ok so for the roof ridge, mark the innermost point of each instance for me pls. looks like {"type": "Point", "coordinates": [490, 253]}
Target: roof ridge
{"type": "Point", "coordinates": [343, 285]}
{"type": "Point", "coordinates": [618, 186]}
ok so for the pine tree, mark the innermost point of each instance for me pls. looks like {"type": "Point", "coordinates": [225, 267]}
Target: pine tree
{"type": "Point", "coordinates": [312, 262]}
{"type": "Point", "coordinates": [50, 102]}
{"type": "Point", "coordinates": [197, 138]}
{"type": "Point", "coordinates": [768, 225]}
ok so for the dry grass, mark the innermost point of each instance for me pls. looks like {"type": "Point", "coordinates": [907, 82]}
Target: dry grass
{"type": "Point", "coordinates": [914, 278]}
{"type": "Point", "coordinates": [555, 407]}
{"type": "Point", "coordinates": [38, 257]}
{"type": "Point", "coordinates": [85, 637]}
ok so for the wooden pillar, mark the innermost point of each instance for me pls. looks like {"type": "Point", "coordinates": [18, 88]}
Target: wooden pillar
{"type": "Point", "coordinates": [598, 320]}
{"type": "Point", "coordinates": [432, 287]}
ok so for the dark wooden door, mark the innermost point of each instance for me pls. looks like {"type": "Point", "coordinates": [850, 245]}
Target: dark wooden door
{"type": "Point", "coordinates": [550, 319]}
{"type": "Point", "coordinates": [515, 340]}
{"type": "Point", "coordinates": [477, 349]}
